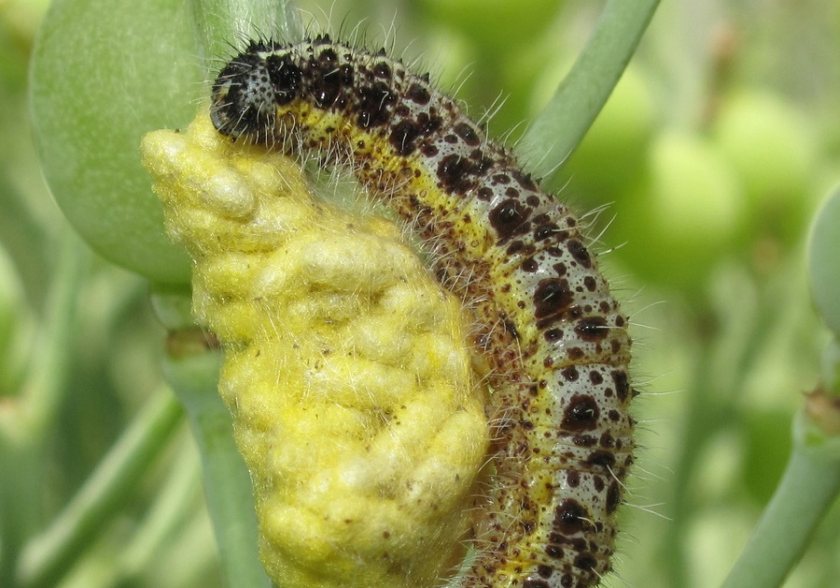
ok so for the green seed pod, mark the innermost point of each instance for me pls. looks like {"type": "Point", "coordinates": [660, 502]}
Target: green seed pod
{"type": "Point", "coordinates": [104, 72]}
{"type": "Point", "coordinates": [98, 84]}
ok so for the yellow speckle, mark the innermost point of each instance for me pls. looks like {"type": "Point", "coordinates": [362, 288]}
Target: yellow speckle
{"type": "Point", "coordinates": [347, 369]}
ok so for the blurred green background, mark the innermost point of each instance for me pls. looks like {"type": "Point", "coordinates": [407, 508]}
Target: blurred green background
{"type": "Point", "coordinates": [699, 180]}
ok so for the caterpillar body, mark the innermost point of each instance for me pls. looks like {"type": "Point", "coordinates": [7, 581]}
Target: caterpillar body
{"type": "Point", "coordinates": [554, 338]}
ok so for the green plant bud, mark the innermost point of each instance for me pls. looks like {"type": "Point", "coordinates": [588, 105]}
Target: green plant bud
{"type": "Point", "coordinates": [696, 196]}
{"type": "Point", "coordinates": [103, 74]}
{"type": "Point", "coordinates": [692, 210]}
{"type": "Point", "coordinates": [768, 143]}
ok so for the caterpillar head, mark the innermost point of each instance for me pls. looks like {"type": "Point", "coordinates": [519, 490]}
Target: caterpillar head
{"type": "Point", "coordinates": [248, 91]}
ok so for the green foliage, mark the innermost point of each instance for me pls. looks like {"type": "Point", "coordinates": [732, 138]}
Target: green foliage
{"type": "Point", "coordinates": [824, 267]}
{"type": "Point", "coordinates": [711, 155]}
{"type": "Point", "coordinates": [13, 321]}
{"type": "Point", "coordinates": [484, 22]}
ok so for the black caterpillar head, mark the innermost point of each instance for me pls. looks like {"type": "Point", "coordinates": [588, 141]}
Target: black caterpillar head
{"type": "Point", "coordinates": [249, 89]}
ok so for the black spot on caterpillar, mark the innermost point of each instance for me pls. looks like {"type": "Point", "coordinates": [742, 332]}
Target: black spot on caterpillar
{"type": "Point", "coordinates": [554, 336]}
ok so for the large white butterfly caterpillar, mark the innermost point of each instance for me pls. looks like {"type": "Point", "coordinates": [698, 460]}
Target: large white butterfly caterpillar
{"type": "Point", "coordinates": [554, 336]}
{"type": "Point", "coordinates": [545, 322]}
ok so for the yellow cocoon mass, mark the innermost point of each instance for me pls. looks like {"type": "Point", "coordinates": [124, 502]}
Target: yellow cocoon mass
{"type": "Point", "coordinates": [347, 368]}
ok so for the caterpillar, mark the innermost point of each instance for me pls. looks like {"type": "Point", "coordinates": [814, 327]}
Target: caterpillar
{"type": "Point", "coordinates": [553, 336]}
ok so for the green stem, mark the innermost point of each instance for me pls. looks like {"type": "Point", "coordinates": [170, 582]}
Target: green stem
{"type": "Point", "coordinates": [698, 417]}
{"type": "Point", "coordinates": [724, 361]}
{"type": "Point", "coordinates": [41, 393]}
{"type": "Point", "coordinates": [44, 390]}
{"type": "Point", "coordinates": [47, 557]}
{"type": "Point", "coordinates": [227, 485]}
{"type": "Point", "coordinates": [560, 127]}
{"type": "Point", "coordinates": [174, 507]}
{"type": "Point", "coordinates": [810, 485]}
{"type": "Point", "coordinates": [26, 418]}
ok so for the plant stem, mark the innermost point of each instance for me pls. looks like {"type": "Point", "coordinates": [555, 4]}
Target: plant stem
{"type": "Point", "coordinates": [24, 419]}
{"type": "Point", "coordinates": [227, 485]}
{"type": "Point", "coordinates": [810, 485]}
{"type": "Point", "coordinates": [723, 364]}
{"type": "Point", "coordinates": [560, 127]}
{"type": "Point", "coordinates": [47, 557]}
{"type": "Point", "coordinates": [41, 393]}
{"type": "Point", "coordinates": [175, 506]}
